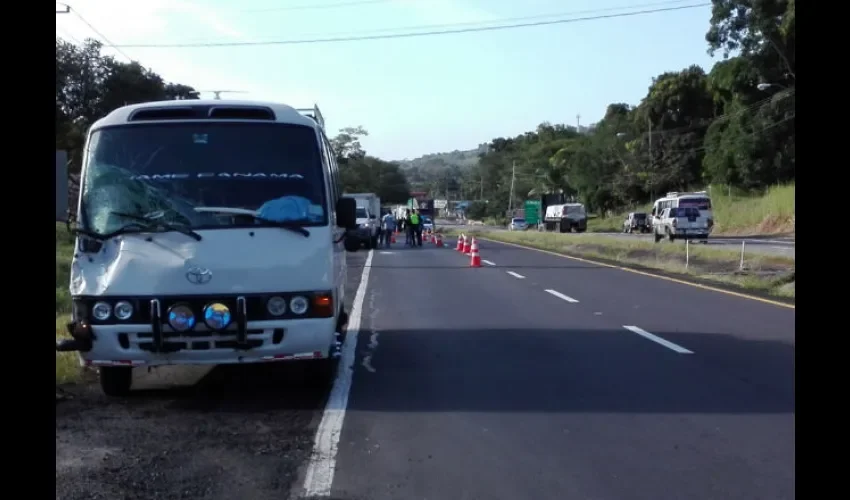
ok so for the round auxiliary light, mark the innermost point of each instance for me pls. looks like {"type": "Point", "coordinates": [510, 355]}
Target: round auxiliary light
{"type": "Point", "coordinates": [123, 310]}
{"type": "Point", "coordinates": [276, 306]}
{"type": "Point", "coordinates": [217, 316]}
{"type": "Point", "coordinates": [299, 304]}
{"type": "Point", "coordinates": [101, 311]}
{"type": "Point", "coordinates": [181, 318]}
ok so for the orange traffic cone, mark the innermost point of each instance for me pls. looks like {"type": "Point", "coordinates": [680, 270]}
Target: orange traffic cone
{"type": "Point", "coordinates": [433, 238]}
{"type": "Point", "coordinates": [439, 241]}
{"type": "Point", "coordinates": [393, 237]}
{"type": "Point", "coordinates": [467, 245]}
{"type": "Point", "coordinates": [459, 246]}
{"type": "Point", "coordinates": [475, 261]}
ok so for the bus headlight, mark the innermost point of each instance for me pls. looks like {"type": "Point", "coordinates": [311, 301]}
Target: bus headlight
{"type": "Point", "coordinates": [123, 310]}
{"type": "Point", "coordinates": [181, 318]}
{"type": "Point", "coordinates": [276, 306]}
{"type": "Point", "coordinates": [101, 311]}
{"type": "Point", "coordinates": [217, 316]}
{"type": "Point", "coordinates": [299, 305]}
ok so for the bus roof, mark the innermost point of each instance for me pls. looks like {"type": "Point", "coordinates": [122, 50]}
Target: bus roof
{"type": "Point", "coordinates": [281, 112]}
{"type": "Point", "coordinates": [694, 194]}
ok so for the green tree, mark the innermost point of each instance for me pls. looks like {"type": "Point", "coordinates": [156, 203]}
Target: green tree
{"type": "Point", "coordinates": [361, 173]}
{"type": "Point", "coordinates": [90, 85]}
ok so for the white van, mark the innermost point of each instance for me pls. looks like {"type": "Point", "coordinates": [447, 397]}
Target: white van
{"type": "Point", "coordinates": [208, 232]}
{"type": "Point", "coordinates": [699, 200]}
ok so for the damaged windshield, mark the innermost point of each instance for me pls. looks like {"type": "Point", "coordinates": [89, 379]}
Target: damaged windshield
{"type": "Point", "coordinates": [171, 169]}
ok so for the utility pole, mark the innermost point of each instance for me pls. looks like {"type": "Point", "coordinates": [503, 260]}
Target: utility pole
{"type": "Point", "coordinates": [578, 123]}
{"type": "Point", "coordinates": [511, 195]}
{"type": "Point", "coordinates": [66, 6]}
{"type": "Point", "coordinates": [651, 173]}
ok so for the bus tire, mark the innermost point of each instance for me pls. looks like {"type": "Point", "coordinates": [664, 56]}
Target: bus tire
{"type": "Point", "coordinates": [115, 381]}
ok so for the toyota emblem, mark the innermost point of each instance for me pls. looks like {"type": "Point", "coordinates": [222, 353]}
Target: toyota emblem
{"type": "Point", "coordinates": [198, 275]}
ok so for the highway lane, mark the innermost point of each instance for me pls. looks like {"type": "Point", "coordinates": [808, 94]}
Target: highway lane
{"type": "Point", "coordinates": [474, 383]}
{"type": "Point", "coordinates": [764, 333]}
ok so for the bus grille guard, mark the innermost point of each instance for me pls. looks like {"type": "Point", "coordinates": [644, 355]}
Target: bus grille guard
{"type": "Point", "coordinates": [160, 346]}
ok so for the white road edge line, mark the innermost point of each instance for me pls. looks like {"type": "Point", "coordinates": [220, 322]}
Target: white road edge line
{"type": "Point", "coordinates": [488, 262]}
{"type": "Point", "coordinates": [320, 471]}
{"type": "Point", "coordinates": [562, 296]}
{"type": "Point", "coordinates": [666, 343]}
{"type": "Point", "coordinates": [516, 275]}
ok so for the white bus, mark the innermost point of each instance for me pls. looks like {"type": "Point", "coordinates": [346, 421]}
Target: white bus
{"type": "Point", "coordinates": [208, 232]}
{"type": "Point", "coordinates": [698, 199]}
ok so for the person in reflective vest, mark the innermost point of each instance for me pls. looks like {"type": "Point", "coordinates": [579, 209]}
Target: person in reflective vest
{"type": "Point", "coordinates": [407, 228]}
{"type": "Point", "coordinates": [416, 226]}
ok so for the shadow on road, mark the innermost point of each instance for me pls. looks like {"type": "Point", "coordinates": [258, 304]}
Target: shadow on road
{"type": "Point", "coordinates": [604, 371]}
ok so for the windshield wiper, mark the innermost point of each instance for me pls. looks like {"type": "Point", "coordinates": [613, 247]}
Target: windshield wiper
{"type": "Point", "coordinates": [152, 222]}
{"type": "Point", "coordinates": [104, 236]}
{"type": "Point", "coordinates": [288, 225]}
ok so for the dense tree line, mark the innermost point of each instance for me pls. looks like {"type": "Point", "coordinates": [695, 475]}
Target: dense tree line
{"type": "Point", "coordinates": [89, 85]}
{"type": "Point", "coordinates": [361, 173]}
{"type": "Point", "coordinates": [733, 126]}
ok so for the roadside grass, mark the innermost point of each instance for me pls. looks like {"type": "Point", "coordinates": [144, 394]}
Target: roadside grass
{"type": "Point", "coordinates": [735, 214]}
{"type": "Point", "coordinates": [762, 274]}
{"type": "Point", "coordinates": [67, 364]}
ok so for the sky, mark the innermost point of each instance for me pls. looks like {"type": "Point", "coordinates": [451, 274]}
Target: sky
{"type": "Point", "coordinates": [414, 95]}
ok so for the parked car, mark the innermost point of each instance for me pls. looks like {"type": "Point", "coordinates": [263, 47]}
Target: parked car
{"type": "Point", "coordinates": [518, 224]}
{"type": "Point", "coordinates": [636, 222]}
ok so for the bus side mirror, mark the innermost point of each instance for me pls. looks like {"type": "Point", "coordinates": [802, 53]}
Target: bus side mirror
{"type": "Point", "coordinates": [346, 213]}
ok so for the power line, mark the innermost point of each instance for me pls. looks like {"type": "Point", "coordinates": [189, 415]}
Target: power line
{"type": "Point", "coordinates": [333, 5]}
{"type": "Point", "coordinates": [514, 19]}
{"type": "Point", "coordinates": [98, 33]}
{"type": "Point", "coordinates": [410, 35]}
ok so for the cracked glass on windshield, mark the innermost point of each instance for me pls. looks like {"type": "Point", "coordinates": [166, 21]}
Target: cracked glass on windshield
{"type": "Point", "coordinates": [173, 168]}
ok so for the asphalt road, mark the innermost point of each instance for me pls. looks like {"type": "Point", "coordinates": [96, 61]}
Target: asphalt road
{"type": "Point", "coordinates": [533, 377]}
{"type": "Point", "coordinates": [779, 246]}
{"type": "Point", "coordinates": [541, 377]}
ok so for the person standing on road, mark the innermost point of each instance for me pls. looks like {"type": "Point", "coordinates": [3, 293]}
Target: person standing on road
{"type": "Point", "coordinates": [388, 225]}
{"type": "Point", "coordinates": [416, 227]}
{"type": "Point", "coordinates": [408, 230]}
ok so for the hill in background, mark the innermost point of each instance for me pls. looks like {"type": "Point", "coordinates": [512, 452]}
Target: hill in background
{"type": "Point", "coordinates": [432, 161]}
{"type": "Point", "coordinates": [421, 172]}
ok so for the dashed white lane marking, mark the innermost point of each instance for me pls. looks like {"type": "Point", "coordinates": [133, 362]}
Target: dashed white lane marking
{"type": "Point", "coordinates": [562, 296]}
{"type": "Point", "coordinates": [516, 275]}
{"type": "Point", "coordinates": [320, 471]}
{"type": "Point", "coordinates": [666, 343]}
{"type": "Point", "coordinates": [489, 263]}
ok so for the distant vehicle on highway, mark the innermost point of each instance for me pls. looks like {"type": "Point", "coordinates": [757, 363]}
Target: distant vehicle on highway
{"type": "Point", "coordinates": [566, 217]}
{"type": "Point", "coordinates": [517, 224]}
{"type": "Point", "coordinates": [681, 223]}
{"type": "Point", "coordinates": [636, 221]}
{"type": "Point", "coordinates": [698, 199]}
